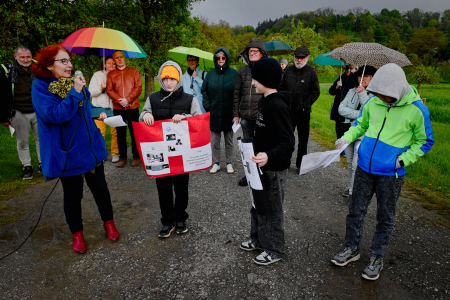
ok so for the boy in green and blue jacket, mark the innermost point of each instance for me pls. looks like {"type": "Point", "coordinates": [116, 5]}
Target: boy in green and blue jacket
{"type": "Point", "coordinates": [397, 132]}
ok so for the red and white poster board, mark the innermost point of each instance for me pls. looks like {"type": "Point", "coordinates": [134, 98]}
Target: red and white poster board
{"type": "Point", "coordinates": [168, 149]}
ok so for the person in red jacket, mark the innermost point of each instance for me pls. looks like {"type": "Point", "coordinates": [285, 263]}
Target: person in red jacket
{"type": "Point", "coordinates": [123, 86]}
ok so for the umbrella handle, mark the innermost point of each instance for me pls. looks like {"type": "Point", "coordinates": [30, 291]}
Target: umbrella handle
{"type": "Point", "coordinates": [362, 76]}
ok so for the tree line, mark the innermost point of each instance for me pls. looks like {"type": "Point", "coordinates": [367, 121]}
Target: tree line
{"type": "Point", "coordinates": [159, 25]}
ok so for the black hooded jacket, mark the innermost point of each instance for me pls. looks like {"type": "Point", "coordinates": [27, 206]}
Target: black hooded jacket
{"type": "Point", "coordinates": [245, 102]}
{"type": "Point", "coordinates": [274, 134]}
{"type": "Point", "coordinates": [217, 91]}
{"type": "Point", "coordinates": [348, 82]}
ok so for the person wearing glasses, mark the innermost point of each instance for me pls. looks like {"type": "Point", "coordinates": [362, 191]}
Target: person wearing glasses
{"type": "Point", "coordinates": [339, 89]}
{"type": "Point", "coordinates": [301, 79]}
{"type": "Point", "coordinates": [193, 80]}
{"type": "Point", "coordinates": [217, 90]}
{"type": "Point", "coordinates": [245, 101]}
{"type": "Point", "coordinates": [97, 88]}
{"type": "Point", "coordinates": [17, 107]}
{"type": "Point", "coordinates": [72, 146]}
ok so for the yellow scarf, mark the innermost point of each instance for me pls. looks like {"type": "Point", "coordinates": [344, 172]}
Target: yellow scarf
{"type": "Point", "coordinates": [62, 87]}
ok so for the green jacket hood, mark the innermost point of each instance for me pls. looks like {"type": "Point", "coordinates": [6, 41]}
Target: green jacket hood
{"type": "Point", "coordinates": [222, 69]}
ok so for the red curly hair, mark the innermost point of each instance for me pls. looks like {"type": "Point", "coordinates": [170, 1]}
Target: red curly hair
{"type": "Point", "coordinates": [46, 57]}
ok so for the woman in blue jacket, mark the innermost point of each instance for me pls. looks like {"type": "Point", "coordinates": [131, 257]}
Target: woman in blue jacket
{"type": "Point", "coordinates": [72, 145]}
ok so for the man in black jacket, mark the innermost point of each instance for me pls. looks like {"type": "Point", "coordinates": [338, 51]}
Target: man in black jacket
{"type": "Point", "coordinates": [17, 108]}
{"type": "Point", "coordinates": [274, 143]}
{"type": "Point", "coordinates": [245, 100]}
{"type": "Point", "coordinates": [301, 79]}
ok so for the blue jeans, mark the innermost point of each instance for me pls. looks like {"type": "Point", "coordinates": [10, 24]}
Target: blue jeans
{"type": "Point", "coordinates": [388, 190]}
{"type": "Point", "coordinates": [267, 220]}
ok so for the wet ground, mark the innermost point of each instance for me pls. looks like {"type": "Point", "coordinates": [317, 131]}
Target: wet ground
{"type": "Point", "coordinates": [206, 262]}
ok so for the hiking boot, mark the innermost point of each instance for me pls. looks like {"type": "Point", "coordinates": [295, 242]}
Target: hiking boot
{"type": "Point", "coordinates": [121, 163]}
{"type": "Point", "coordinates": [345, 257]}
{"type": "Point", "coordinates": [249, 246]}
{"type": "Point", "coordinates": [115, 158]}
{"type": "Point", "coordinates": [166, 231]}
{"type": "Point", "coordinates": [181, 228]}
{"type": "Point", "coordinates": [230, 169]}
{"type": "Point", "coordinates": [373, 269]}
{"type": "Point", "coordinates": [243, 181]}
{"type": "Point", "coordinates": [265, 259]}
{"type": "Point", "coordinates": [136, 162]}
{"type": "Point", "coordinates": [27, 172]}
{"type": "Point", "coordinates": [346, 193]}
{"type": "Point", "coordinates": [214, 169]}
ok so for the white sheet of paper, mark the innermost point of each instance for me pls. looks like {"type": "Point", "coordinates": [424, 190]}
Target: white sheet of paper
{"type": "Point", "coordinates": [115, 121]}
{"type": "Point", "coordinates": [250, 168]}
{"type": "Point", "coordinates": [315, 160]}
{"type": "Point", "coordinates": [177, 137]}
{"type": "Point", "coordinates": [197, 158]}
{"type": "Point", "coordinates": [235, 127]}
{"type": "Point", "coordinates": [12, 130]}
{"type": "Point", "coordinates": [156, 158]}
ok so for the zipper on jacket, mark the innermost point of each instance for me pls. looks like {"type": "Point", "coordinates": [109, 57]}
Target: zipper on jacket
{"type": "Point", "coordinates": [123, 88]}
{"type": "Point", "coordinates": [90, 141]}
{"type": "Point", "coordinates": [378, 137]}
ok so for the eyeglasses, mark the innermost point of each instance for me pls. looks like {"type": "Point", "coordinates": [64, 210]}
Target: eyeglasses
{"type": "Point", "coordinates": [253, 51]}
{"type": "Point", "coordinates": [64, 61]}
{"type": "Point", "coordinates": [221, 58]}
{"type": "Point", "coordinates": [301, 58]}
{"type": "Point", "coordinates": [191, 59]}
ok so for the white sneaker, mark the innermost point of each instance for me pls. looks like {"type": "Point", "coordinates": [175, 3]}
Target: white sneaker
{"type": "Point", "coordinates": [115, 158]}
{"type": "Point", "coordinates": [214, 169]}
{"type": "Point", "coordinates": [230, 169]}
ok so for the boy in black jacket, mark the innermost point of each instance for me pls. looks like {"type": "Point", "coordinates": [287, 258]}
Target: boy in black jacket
{"type": "Point", "coordinates": [274, 143]}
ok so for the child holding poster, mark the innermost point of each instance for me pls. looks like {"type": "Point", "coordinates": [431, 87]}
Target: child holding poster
{"type": "Point", "coordinates": [171, 103]}
{"type": "Point", "coordinates": [274, 143]}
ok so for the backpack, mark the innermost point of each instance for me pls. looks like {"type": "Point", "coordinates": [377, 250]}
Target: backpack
{"type": "Point", "coordinates": [6, 106]}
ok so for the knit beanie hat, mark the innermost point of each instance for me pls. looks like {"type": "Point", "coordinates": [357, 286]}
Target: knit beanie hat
{"type": "Point", "coordinates": [170, 72]}
{"type": "Point", "coordinates": [284, 61]}
{"type": "Point", "coordinates": [268, 72]}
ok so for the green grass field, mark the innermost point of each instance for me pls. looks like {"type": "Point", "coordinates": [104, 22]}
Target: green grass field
{"type": "Point", "coordinates": [429, 176]}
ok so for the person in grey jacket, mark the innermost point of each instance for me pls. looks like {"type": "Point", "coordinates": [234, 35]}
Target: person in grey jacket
{"type": "Point", "coordinates": [245, 101]}
{"type": "Point", "coordinates": [349, 109]}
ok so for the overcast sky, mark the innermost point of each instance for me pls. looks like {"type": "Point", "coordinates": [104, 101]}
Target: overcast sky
{"type": "Point", "coordinates": [250, 12]}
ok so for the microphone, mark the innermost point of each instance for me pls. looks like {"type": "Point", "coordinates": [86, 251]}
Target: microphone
{"type": "Point", "coordinates": [79, 73]}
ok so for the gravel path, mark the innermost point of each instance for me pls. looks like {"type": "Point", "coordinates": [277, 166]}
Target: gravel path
{"type": "Point", "coordinates": [206, 263]}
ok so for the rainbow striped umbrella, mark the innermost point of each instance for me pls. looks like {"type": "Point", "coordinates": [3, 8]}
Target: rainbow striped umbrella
{"type": "Point", "coordinates": [102, 42]}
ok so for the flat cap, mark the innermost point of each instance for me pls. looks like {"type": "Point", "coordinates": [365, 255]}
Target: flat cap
{"type": "Point", "coordinates": [301, 52]}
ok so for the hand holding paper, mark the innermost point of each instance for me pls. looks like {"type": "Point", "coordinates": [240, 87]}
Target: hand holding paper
{"type": "Point", "coordinates": [313, 161]}
{"type": "Point", "coordinates": [235, 126]}
{"type": "Point", "coordinates": [115, 121]}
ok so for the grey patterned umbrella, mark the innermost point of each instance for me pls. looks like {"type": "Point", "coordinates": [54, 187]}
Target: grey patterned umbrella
{"type": "Point", "coordinates": [373, 54]}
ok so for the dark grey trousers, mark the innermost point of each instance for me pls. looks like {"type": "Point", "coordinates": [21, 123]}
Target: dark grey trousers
{"type": "Point", "coordinates": [388, 190]}
{"type": "Point", "coordinates": [267, 228]}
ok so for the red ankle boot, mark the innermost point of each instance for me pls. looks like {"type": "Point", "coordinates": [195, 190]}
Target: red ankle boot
{"type": "Point", "coordinates": [111, 230]}
{"type": "Point", "coordinates": [78, 242]}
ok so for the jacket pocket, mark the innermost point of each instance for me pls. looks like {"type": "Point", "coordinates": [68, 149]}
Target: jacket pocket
{"type": "Point", "coordinates": [72, 157]}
